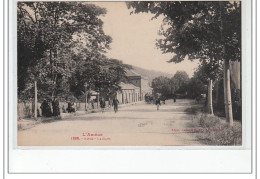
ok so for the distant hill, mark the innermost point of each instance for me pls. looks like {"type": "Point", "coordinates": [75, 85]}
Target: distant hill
{"type": "Point", "coordinates": [150, 74]}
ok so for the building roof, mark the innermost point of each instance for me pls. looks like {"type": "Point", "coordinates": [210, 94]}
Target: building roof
{"type": "Point", "coordinates": [131, 73]}
{"type": "Point", "coordinates": [128, 86]}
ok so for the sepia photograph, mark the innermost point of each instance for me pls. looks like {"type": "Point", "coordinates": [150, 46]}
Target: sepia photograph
{"type": "Point", "coordinates": [134, 73]}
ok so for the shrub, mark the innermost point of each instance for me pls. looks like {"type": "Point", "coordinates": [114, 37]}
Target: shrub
{"type": "Point", "coordinates": [195, 109]}
{"type": "Point", "coordinates": [192, 110]}
{"type": "Point", "coordinates": [217, 132]}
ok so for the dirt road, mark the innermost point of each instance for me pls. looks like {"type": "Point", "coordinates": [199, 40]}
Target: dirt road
{"type": "Point", "coordinates": [135, 125]}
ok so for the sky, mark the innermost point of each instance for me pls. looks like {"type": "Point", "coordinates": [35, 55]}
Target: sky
{"type": "Point", "coordinates": [134, 37]}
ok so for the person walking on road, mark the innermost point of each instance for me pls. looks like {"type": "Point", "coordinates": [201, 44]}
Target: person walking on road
{"type": "Point", "coordinates": [115, 104]}
{"type": "Point", "coordinates": [174, 98]}
{"type": "Point", "coordinates": [102, 104]}
{"type": "Point", "coordinates": [158, 103]}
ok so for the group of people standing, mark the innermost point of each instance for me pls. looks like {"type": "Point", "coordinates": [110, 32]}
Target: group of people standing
{"type": "Point", "coordinates": [114, 103]}
{"type": "Point", "coordinates": [48, 111]}
{"type": "Point", "coordinates": [46, 108]}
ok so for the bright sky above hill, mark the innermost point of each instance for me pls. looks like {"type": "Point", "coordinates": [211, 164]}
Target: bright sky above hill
{"type": "Point", "coordinates": [134, 38]}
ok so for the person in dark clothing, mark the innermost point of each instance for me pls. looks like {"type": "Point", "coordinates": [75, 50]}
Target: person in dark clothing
{"type": "Point", "coordinates": [102, 104]}
{"type": "Point", "coordinates": [115, 104]}
{"type": "Point", "coordinates": [158, 103]}
{"type": "Point", "coordinates": [174, 98]}
{"type": "Point", "coordinates": [55, 107]}
{"type": "Point", "coordinates": [92, 104]}
{"type": "Point", "coordinates": [71, 107]}
{"type": "Point", "coordinates": [49, 113]}
{"type": "Point", "coordinates": [46, 109]}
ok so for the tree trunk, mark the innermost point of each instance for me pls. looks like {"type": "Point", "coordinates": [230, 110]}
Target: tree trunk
{"type": "Point", "coordinates": [35, 100]}
{"type": "Point", "coordinates": [51, 61]}
{"type": "Point", "coordinates": [53, 55]}
{"type": "Point", "coordinates": [51, 69]}
{"type": "Point", "coordinates": [210, 106]}
{"type": "Point", "coordinates": [217, 92]}
{"type": "Point", "coordinates": [227, 89]}
{"type": "Point", "coordinates": [227, 93]}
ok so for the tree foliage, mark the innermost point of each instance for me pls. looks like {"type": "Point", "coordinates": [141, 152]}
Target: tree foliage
{"type": "Point", "coordinates": [102, 74]}
{"type": "Point", "coordinates": [61, 46]}
{"type": "Point", "coordinates": [179, 82]}
{"type": "Point", "coordinates": [196, 87]}
{"type": "Point", "coordinates": [194, 28]}
{"type": "Point", "coordinates": [199, 30]}
{"type": "Point", "coordinates": [169, 86]}
{"type": "Point", "coordinates": [162, 85]}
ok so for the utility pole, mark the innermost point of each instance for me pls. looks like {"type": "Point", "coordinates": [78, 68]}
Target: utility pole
{"type": "Point", "coordinates": [35, 100]}
{"type": "Point", "coordinates": [86, 95]}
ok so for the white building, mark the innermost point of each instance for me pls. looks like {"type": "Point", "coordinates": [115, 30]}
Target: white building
{"type": "Point", "coordinates": [129, 93]}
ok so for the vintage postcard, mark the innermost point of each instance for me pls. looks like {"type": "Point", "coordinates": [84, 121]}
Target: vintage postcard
{"type": "Point", "coordinates": [130, 87]}
{"type": "Point", "coordinates": [139, 73]}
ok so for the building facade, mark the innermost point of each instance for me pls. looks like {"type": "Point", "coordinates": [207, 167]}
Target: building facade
{"type": "Point", "coordinates": [129, 93]}
{"type": "Point", "coordinates": [134, 89]}
{"type": "Point", "coordinates": [139, 81]}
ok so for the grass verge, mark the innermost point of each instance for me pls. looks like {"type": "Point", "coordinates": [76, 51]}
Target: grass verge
{"type": "Point", "coordinates": [194, 109]}
{"type": "Point", "coordinates": [215, 131]}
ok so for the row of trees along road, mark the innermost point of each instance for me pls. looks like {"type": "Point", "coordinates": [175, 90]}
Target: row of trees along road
{"type": "Point", "coordinates": [209, 31]}
{"type": "Point", "coordinates": [61, 47]}
{"type": "Point", "coordinates": [178, 84]}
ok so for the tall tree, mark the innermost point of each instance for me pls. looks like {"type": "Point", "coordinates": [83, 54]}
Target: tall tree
{"type": "Point", "coordinates": [196, 87]}
{"type": "Point", "coordinates": [199, 30]}
{"type": "Point", "coordinates": [162, 85]}
{"type": "Point", "coordinates": [101, 74]}
{"type": "Point", "coordinates": [47, 41]}
{"type": "Point", "coordinates": [209, 71]}
{"type": "Point", "coordinates": [179, 82]}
